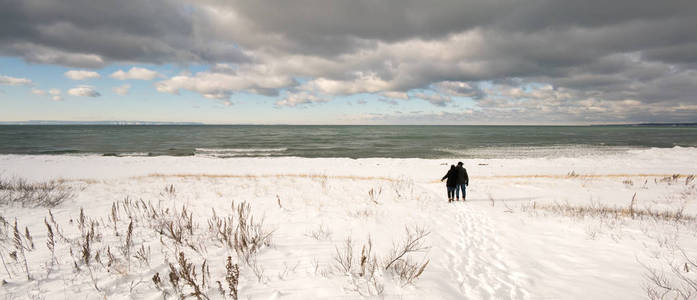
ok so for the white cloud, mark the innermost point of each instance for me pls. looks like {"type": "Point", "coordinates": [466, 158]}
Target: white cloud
{"type": "Point", "coordinates": [81, 74]}
{"type": "Point", "coordinates": [300, 99]}
{"type": "Point", "coordinates": [215, 85]}
{"type": "Point", "coordinates": [363, 83]}
{"type": "Point", "coordinates": [435, 99]}
{"type": "Point", "coordinates": [135, 73]}
{"type": "Point", "coordinates": [38, 92]}
{"type": "Point", "coordinates": [55, 94]}
{"type": "Point", "coordinates": [459, 89]}
{"type": "Point", "coordinates": [122, 90]}
{"type": "Point", "coordinates": [84, 91]}
{"type": "Point", "coordinates": [395, 95]}
{"type": "Point", "coordinates": [14, 80]}
{"type": "Point", "coordinates": [389, 101]}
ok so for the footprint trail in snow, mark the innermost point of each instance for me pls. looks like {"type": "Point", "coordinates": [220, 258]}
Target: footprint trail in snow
{"type": "Point", "coordinates": [476, 260]}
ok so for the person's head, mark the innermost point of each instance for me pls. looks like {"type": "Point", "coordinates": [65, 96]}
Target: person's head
{"type": "Point", "coordinates": [459, 164]}
{"type": "Point", "coordinates": [452, 167]}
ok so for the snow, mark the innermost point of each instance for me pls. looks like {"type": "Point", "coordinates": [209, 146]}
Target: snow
{"type": "Point", "coordinates": [494, 246]}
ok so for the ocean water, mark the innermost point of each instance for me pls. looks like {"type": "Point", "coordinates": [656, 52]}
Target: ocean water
{"type": "Point", "coordinates": [340, 141]}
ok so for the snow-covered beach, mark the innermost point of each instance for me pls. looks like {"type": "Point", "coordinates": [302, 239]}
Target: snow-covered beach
{"type": "Point", "coordinates": [518, 236]}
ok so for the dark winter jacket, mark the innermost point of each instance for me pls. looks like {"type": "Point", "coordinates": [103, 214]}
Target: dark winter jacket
{"type": "Point", "coordinates": [451, 177]}
{"type": "Point", "coordinates": [461, 176]}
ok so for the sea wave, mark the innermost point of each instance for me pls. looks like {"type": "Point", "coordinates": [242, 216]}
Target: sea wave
{"type": "Point", "coordinates": [59, 151]}
{"type": "Point", "coordinates": [240, 150]}
{"type": "Point", "coordinates": [551, 151]}
{"type": "Point", "coordinates": [139, 154]}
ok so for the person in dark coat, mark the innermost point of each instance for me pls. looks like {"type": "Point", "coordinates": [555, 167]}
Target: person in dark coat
{"type": "Point", "coordinates": [461, 181]}
{"type": "Point", "coordinates": [450, 183]}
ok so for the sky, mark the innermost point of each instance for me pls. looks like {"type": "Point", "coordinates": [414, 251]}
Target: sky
{"type": "Point", "coordinates": [349, 62]}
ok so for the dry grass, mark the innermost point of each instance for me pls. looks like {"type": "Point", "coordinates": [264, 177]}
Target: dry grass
{"type": "Point", "coordinates": [100, 248]}
{"type": "Point", "coordinates": [103, 247]}
{"type": "Point", "coordinates": [344, 257]}
{"type": "Point", "coordinates": [368, 269]}
{"type": "Point", "coordinates": [232, 277]}
{"type": "Point", "coordinates": [679, 283]}
{"type": "Point", "coordinates": [318, 177]}
{"type": "Point", "coordinates": [573, 175]}
{"type": "Point", "coordinates": [20, 246]}
{"type": "Point", "coordinates": [615, 212]}
{"type": "Point", "coordinates": [169, 193]}
{"type": "Point", "coordinates": [374, 194]}
{"type": "Point", "coordinates": [51, 242]}
{"type": "Point", "coordinates": [240, 231]}
{"type": "Point", "coordinates": [21, 192]}
{"type": "Point", "coordinates": [185, 280]}
{"type": "Point", "coordinates": [321, 234]}
{"type": "Point", "coordinates": [689, 179]}
{"type": "Point", "coordinates": [362, 270]}
{"type": "Point", "coordinates": [188, 280]}
{"type": "Point", "coordinates": [414, 242]}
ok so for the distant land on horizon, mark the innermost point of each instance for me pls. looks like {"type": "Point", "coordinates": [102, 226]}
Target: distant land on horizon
{"type": "Point", "coordinates": [652, 124]}
{"type": "Point", "coordinates": [122, 123]}
{"type": "Point", "coordinates": [48, 122]}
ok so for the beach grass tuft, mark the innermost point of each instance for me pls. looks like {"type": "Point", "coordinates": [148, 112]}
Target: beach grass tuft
{"type": "Point", "coordinates": [19, 191]}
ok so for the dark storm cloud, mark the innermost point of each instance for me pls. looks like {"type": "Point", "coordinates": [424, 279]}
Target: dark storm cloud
{"type": "Point", "coordinates": [403, 19]}
{"type": "Point", "coordinates": [88, 33]}
{"type": "Point", "coordinates": [678, 54]}
{"type": "Point", "coordinates": [630, 24]}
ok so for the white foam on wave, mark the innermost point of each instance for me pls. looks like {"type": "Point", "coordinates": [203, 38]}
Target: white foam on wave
{"type": "Point", "coordinates": [134, 154]}
{"type": "Point", "coordinates": [240, 150]}
{"type": "Point", "coordinates": [229, 155]}
{"type": "Point", "coordinates": [539, 151]}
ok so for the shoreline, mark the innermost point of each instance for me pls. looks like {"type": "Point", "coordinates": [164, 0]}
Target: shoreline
{"type": "Point", "coordinates": [649, 162]}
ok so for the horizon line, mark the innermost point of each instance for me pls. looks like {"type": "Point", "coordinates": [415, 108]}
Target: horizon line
{"type": "Point", "coordinates": [165, 123]}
